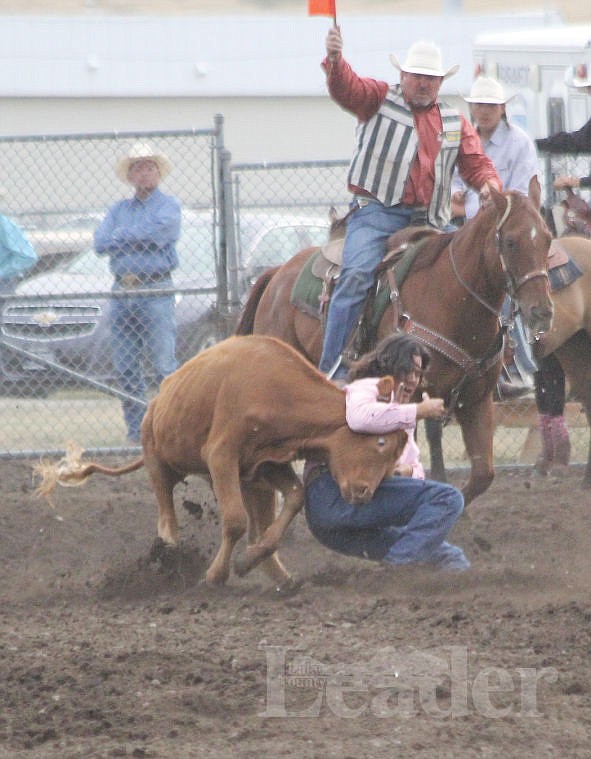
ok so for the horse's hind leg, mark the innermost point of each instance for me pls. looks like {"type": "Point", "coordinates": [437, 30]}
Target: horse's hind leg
{"type": "Point", "coordinates": [575, 358]}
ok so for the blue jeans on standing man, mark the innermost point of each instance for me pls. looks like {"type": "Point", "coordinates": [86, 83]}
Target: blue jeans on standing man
{"type": "Point", "coordinates": [368, 229]}
{"type": "Point", "coordinates": [142, 327]}
{"type": "Point", "coordinates": [406, 521]}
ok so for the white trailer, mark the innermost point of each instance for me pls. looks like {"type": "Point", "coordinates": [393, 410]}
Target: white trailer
{"type": "Point", "coordinates": [535, 66]}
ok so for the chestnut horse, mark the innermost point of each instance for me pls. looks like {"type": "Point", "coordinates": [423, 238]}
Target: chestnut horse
{"type": "Point", "coordinates": [569, 338]}
{"type": "Point", "coordinates": [453, 294]}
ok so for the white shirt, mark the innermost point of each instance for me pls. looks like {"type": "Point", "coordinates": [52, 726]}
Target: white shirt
{"type": "Point", "coordinates": [514, 156]}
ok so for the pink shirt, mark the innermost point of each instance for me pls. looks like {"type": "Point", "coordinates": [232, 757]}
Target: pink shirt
{"type": "Point", "coordinates": [363, 96]}
{"type": "Point", "coordinates": [364, 413]}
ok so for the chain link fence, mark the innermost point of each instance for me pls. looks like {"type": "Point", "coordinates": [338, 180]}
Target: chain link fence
{"type": "Point", "coordinates": [56, 371]}
{"type": "Point", "coordinates": [56, 375]}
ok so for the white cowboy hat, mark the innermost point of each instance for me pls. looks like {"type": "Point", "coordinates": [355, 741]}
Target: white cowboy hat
{"type": "Point", "coordinates": [485, 89]}
{"type": "Point", "coordinates": [423, 58]}
{"type": "Point", "coordinates": [581, 76]}
{"type": "Point", "coordinates": [136, 153]}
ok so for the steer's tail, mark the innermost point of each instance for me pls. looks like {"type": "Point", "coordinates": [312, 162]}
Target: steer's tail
{"type": "Point", "coordinates": [70, 472]}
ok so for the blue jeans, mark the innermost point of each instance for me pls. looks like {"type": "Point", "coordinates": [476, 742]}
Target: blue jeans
{"type": "Point", "coordinates": [368, 229]}
{"type": "Point", "coordinates": [142, 328]}
{"type": "Point", "coordinates": [406, 521]}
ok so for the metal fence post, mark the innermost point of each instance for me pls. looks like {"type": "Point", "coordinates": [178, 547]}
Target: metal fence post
{"type": "Point", "coordinates": [232, 261]}
{"type": "Point", "coordinates": [222, 273]}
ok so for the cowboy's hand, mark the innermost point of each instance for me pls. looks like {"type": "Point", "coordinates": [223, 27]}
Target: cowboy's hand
{"type": "Point", "coordinates": [563, 182]}
{"type": "Point", "coordinates": [430, 408]}
{"type": "Point", "coordinates": [334, 44]}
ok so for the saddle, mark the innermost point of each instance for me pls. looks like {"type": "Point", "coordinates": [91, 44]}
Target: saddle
{"type": "Point", "coordinates": [577, 214]}
{"type": "Point", "coordinates": [313, 288]}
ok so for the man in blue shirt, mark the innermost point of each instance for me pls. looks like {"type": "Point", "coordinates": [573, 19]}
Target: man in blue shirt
{"type": "Point", "coordinates": [139, 235]}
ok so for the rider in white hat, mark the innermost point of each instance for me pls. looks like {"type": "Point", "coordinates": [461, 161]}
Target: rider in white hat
{"type": "Point", "coordinates": [407, 145]}
{"type": "Point", "coordinates": [510, 149]}
{"type": "Point", "coordinates": [514, 156]}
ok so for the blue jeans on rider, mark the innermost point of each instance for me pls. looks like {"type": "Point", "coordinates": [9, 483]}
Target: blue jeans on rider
{"type": "Point", "coordinates": [368, 228]}
{"type": "Point", "coordinates": [406, 521]}
{"type": "Point", "coordinates": [142, 328]}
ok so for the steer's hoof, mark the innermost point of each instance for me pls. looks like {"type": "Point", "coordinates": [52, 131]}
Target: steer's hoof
{"type": "Point", "coordinates": [288, 588]}
{"type": "Point", "coordinates": [252, 556]}
{"type": "Point", "coordinates": [215, 579]}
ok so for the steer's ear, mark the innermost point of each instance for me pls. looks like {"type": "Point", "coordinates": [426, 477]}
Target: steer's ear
{"type": "Point", "coordinates": [386, 386]}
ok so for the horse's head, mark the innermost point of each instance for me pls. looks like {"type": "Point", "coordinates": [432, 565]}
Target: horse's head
{"type": "Point", "coordinates": [522, 241]}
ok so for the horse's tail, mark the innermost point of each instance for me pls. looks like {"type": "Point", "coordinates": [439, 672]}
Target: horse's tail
{"type": "Point", "coordinates": [245, 324]}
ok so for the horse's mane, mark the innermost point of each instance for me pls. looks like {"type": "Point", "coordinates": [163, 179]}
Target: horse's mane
{"type": "Point", "coordinates": [431, 250]}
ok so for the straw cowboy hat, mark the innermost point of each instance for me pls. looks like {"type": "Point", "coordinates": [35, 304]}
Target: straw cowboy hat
{"type": "Point", "coordinates": [485, 89]}
{"type": "Point", "coordinates": [423, 58]}
{"type": "Point", "coordinates": [136, 153]}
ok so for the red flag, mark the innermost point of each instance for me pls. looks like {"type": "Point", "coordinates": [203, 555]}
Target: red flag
{"type": "Point", "coordinates": [322, 8]}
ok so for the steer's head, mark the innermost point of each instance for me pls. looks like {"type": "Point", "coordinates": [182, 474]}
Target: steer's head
{"type": "Point", "coordinates": [359, 462]}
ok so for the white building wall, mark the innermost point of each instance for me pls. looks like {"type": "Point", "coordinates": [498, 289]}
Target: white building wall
{"type": "Point", "coordinates": [66, 75]}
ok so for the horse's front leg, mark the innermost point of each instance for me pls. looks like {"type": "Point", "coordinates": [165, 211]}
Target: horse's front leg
{"type": "Point", "coordinates": [434, 432]}
{"type": "Point", "coordinates": [477, 425]}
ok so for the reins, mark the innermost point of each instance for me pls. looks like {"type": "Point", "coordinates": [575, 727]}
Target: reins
{"type": "Point", "coordinates": [477, 367]}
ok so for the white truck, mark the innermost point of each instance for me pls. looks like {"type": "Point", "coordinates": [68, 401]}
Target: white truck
{"type": "Point", "coordinates": [535, 67]}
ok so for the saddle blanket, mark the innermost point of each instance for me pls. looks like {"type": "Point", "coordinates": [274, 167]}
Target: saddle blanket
{"type": "Point", "coordinates": [562, 270]}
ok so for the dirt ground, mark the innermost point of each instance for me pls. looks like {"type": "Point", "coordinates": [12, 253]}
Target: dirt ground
{"type": "Point", "coordinates": [108, 649]}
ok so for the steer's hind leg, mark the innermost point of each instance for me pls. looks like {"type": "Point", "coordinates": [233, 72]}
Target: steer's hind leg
{"type": "Point", "coordinates": [163, 480]}
{"type": "Point", "coordinates": [267, 529]}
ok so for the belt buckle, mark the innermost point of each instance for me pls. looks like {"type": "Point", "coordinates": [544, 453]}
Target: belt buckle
{"type": "Point", "coordinates": [130, 281]}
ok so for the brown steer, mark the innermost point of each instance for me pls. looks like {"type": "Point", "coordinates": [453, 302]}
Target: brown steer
{"type": "Point", "coordinates": [239, 412]}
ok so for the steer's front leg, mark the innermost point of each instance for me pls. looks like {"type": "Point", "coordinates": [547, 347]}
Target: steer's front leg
{"type": "Point", "coordinates": [226, 487]}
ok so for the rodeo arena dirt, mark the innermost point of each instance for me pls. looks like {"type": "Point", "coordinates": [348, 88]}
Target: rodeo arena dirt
{"type": "Point", "coordinates": [110, 649]}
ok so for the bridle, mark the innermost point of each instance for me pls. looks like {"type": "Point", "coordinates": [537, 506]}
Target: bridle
{"type": "Point", "coordinates": [513, 285]}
